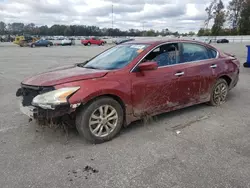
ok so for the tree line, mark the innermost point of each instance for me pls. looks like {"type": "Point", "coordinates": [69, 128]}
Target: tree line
{"type": "Point", "coordinates": [77, 30]}
{"type": "Point", "coordinates": [231, 20]}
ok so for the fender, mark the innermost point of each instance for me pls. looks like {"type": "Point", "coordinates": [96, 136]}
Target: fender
{"type": "Point", "coordinates": [90, 89]}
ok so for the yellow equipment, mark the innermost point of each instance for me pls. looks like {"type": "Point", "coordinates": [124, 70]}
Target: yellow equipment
{"type": "Point", "coordinates": [24, 40]}
{"type": "Point", "coordinates": [18, 39]}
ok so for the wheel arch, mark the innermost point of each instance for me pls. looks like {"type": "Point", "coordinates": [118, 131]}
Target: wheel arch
{"type": "Point", "coordinates": [227, 78]}
{"type": "Point", "coordinates": [113, 96]}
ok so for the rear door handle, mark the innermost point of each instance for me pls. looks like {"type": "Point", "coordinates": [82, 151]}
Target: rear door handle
{"type": "Point", "coordinates": [213, 66]}
{"type": "Point", "coordinates": [179, 73]}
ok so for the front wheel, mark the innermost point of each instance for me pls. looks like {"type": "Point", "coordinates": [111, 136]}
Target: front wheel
{"type": "Point", "coordinates": [101, 120]}
{"type": "Point", "coordinates": [219, 93]}
{"type": "Point", "coordinates": [89, 44]}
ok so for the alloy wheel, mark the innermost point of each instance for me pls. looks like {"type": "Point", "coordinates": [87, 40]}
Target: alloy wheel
{"type": "Point", "coordinates": [103, 121]}
{"type": "Point", "coordinates": [220, 93]}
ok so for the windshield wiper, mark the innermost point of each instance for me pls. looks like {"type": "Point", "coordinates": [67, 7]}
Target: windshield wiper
{"type": "Point", "coordinates": [82, 64]}
{"type": "Point", "coordinates": [89, 67]}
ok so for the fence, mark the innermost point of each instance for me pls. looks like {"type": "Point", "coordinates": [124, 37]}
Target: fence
{"type": "Point", "coordinates": [232, 39]}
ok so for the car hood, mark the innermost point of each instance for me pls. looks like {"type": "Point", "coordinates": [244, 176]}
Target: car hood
{"type": "Point", "coordinates": [64, 74]}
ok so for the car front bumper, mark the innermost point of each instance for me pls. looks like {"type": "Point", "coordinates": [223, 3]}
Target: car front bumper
{"type": "Point", "coordinates": [26, 94]}
{"type": "Point", "coordinates": [39, 113]}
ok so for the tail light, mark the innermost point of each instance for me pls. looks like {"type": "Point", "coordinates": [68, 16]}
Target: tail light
{"type": "Point", "coordinates": [233, 59]}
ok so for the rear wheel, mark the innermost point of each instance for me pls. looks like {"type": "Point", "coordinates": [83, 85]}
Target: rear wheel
{"type": "Point", "coordinates": [219, 93]}
{"type": "Point", "coordinates": [101, 120]}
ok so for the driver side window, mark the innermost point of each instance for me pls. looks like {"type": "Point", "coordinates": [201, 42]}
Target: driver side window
{"type": "Point", "coordinates": [167, 54]}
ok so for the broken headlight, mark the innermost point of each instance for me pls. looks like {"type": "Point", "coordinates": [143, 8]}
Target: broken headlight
{"type": "Point", "coordinates": [52, 98]}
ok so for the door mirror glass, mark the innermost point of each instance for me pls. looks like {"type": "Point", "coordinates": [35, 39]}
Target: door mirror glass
{"type": "Point", "coordinates": [148, 66]}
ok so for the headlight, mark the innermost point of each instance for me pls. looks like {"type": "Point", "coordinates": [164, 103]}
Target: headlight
{"type": "Point", "coordinates": [52, 98]}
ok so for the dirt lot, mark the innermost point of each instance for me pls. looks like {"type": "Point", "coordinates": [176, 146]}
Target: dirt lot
{"type": "Point", "coordinates": [212, 149]}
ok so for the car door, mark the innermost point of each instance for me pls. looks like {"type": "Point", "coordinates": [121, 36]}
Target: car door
{"type": "Point", "coordinates": [94, 41]}
{"type": "Point", "coordinates": [39, 43]}
{"type": "Point", "coordinates": [156, 91]}
{"type": "Point", "coordinates": [198, 77]}
{"type": "Point", "coordinates": [45, 43]}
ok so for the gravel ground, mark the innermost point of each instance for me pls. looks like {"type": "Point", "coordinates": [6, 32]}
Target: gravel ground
{"type": "Point", "coordinates": [212, 149]}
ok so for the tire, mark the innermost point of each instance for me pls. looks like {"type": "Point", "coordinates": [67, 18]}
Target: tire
{"type": "Point", "coordinates": [33, 46]}
{"type": "Point", "coordinates": [88, 43]}
{"type": "Point", "coordinates": [102, 43]}
{"type": "Point", "coordinates": [48, 45]}
{"type": "Point", "coordinates": [84, 117]}
{"type": "Point", "coordinates": [219, 93]}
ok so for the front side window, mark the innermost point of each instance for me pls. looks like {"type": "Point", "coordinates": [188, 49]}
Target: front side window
{"type": "Point", "coordinates": [116, 57]}
{"type": "Point", "coordinates": [167, 54]}
{"type": "Point", "coordinates": [193, 52]}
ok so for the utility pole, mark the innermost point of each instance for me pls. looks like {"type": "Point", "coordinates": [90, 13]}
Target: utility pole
{"type": "Point", "coordinates": [112, 16]}
{"type": "Point", "coordinates": [143, 33]}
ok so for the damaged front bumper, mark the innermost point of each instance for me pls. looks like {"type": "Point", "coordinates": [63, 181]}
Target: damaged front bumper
{"type": "Point", "coordinates": [25, 96]}
{"type": "Point", "coordinates": [39, 113]}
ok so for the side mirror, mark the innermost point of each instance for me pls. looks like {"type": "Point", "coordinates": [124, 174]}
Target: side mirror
{"type": "Point", "coordinates": [148, 66]}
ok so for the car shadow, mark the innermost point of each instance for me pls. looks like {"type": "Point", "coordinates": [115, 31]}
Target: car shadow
{"type": "Point", "coordinates": [153, 121]}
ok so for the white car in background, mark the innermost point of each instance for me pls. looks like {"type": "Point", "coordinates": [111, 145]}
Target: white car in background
{"type": "Point", "coordinates": [68, 42]}
{"type": "Point", "coordinates": [205, 40]}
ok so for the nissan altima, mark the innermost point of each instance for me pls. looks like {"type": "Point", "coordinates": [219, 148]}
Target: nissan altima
{"type": "Point", "coordinates": [128, 82]}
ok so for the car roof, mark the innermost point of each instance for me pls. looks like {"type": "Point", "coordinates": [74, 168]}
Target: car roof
{"type": "Point", "coordinates": [158, 42]}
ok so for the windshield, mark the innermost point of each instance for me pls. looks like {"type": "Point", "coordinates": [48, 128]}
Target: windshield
{"type": "Point", "coordinates": [116, 57]}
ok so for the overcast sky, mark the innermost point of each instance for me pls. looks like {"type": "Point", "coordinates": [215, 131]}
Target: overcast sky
{"type": "Point", "coordinates": [177, 15]}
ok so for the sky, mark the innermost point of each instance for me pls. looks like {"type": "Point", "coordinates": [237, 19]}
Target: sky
{"type": "Point", "coordinates": [176, 15]}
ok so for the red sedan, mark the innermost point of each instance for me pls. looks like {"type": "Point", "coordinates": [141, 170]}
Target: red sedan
{"type": "Point", "coordinates": [128, 82]}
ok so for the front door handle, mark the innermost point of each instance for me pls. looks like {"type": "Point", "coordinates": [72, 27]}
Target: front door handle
{"type": "Point", "coordinates": [179, 73]}
{"type": "Point", "coordinates": [213, 66]}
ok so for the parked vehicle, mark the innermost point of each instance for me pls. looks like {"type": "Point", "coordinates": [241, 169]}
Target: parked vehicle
{"type": "Point", "coordinates": [27, 41]}
{"type": "Point", "coordinates": [123, 40]}
{"type": "Point", "coordinates": [204, 40]}
{"type": "Point", "coordinates": [68, 42]}
{"type": "Point", "coordinates": [93, 40]}
{"type": "Point", "coordinates": [41, 43]}
{"type": "Point", "coordinates": [222, 41]}
{"type": "Point", "coordinates": [128, 82]}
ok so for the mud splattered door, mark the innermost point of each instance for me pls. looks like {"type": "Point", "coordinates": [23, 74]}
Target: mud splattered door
{"type": "Point", "coordinates": [155, 91]}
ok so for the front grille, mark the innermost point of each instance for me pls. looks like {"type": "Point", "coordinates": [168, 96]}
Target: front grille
{"type": "Point", "coordinates": [30, 92]}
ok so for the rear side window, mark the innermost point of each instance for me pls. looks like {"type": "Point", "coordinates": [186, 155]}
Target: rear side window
{"type": "Point", "coordinates": [193, 52]}
{"type": "Point", "coordinates": [212, 53]}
